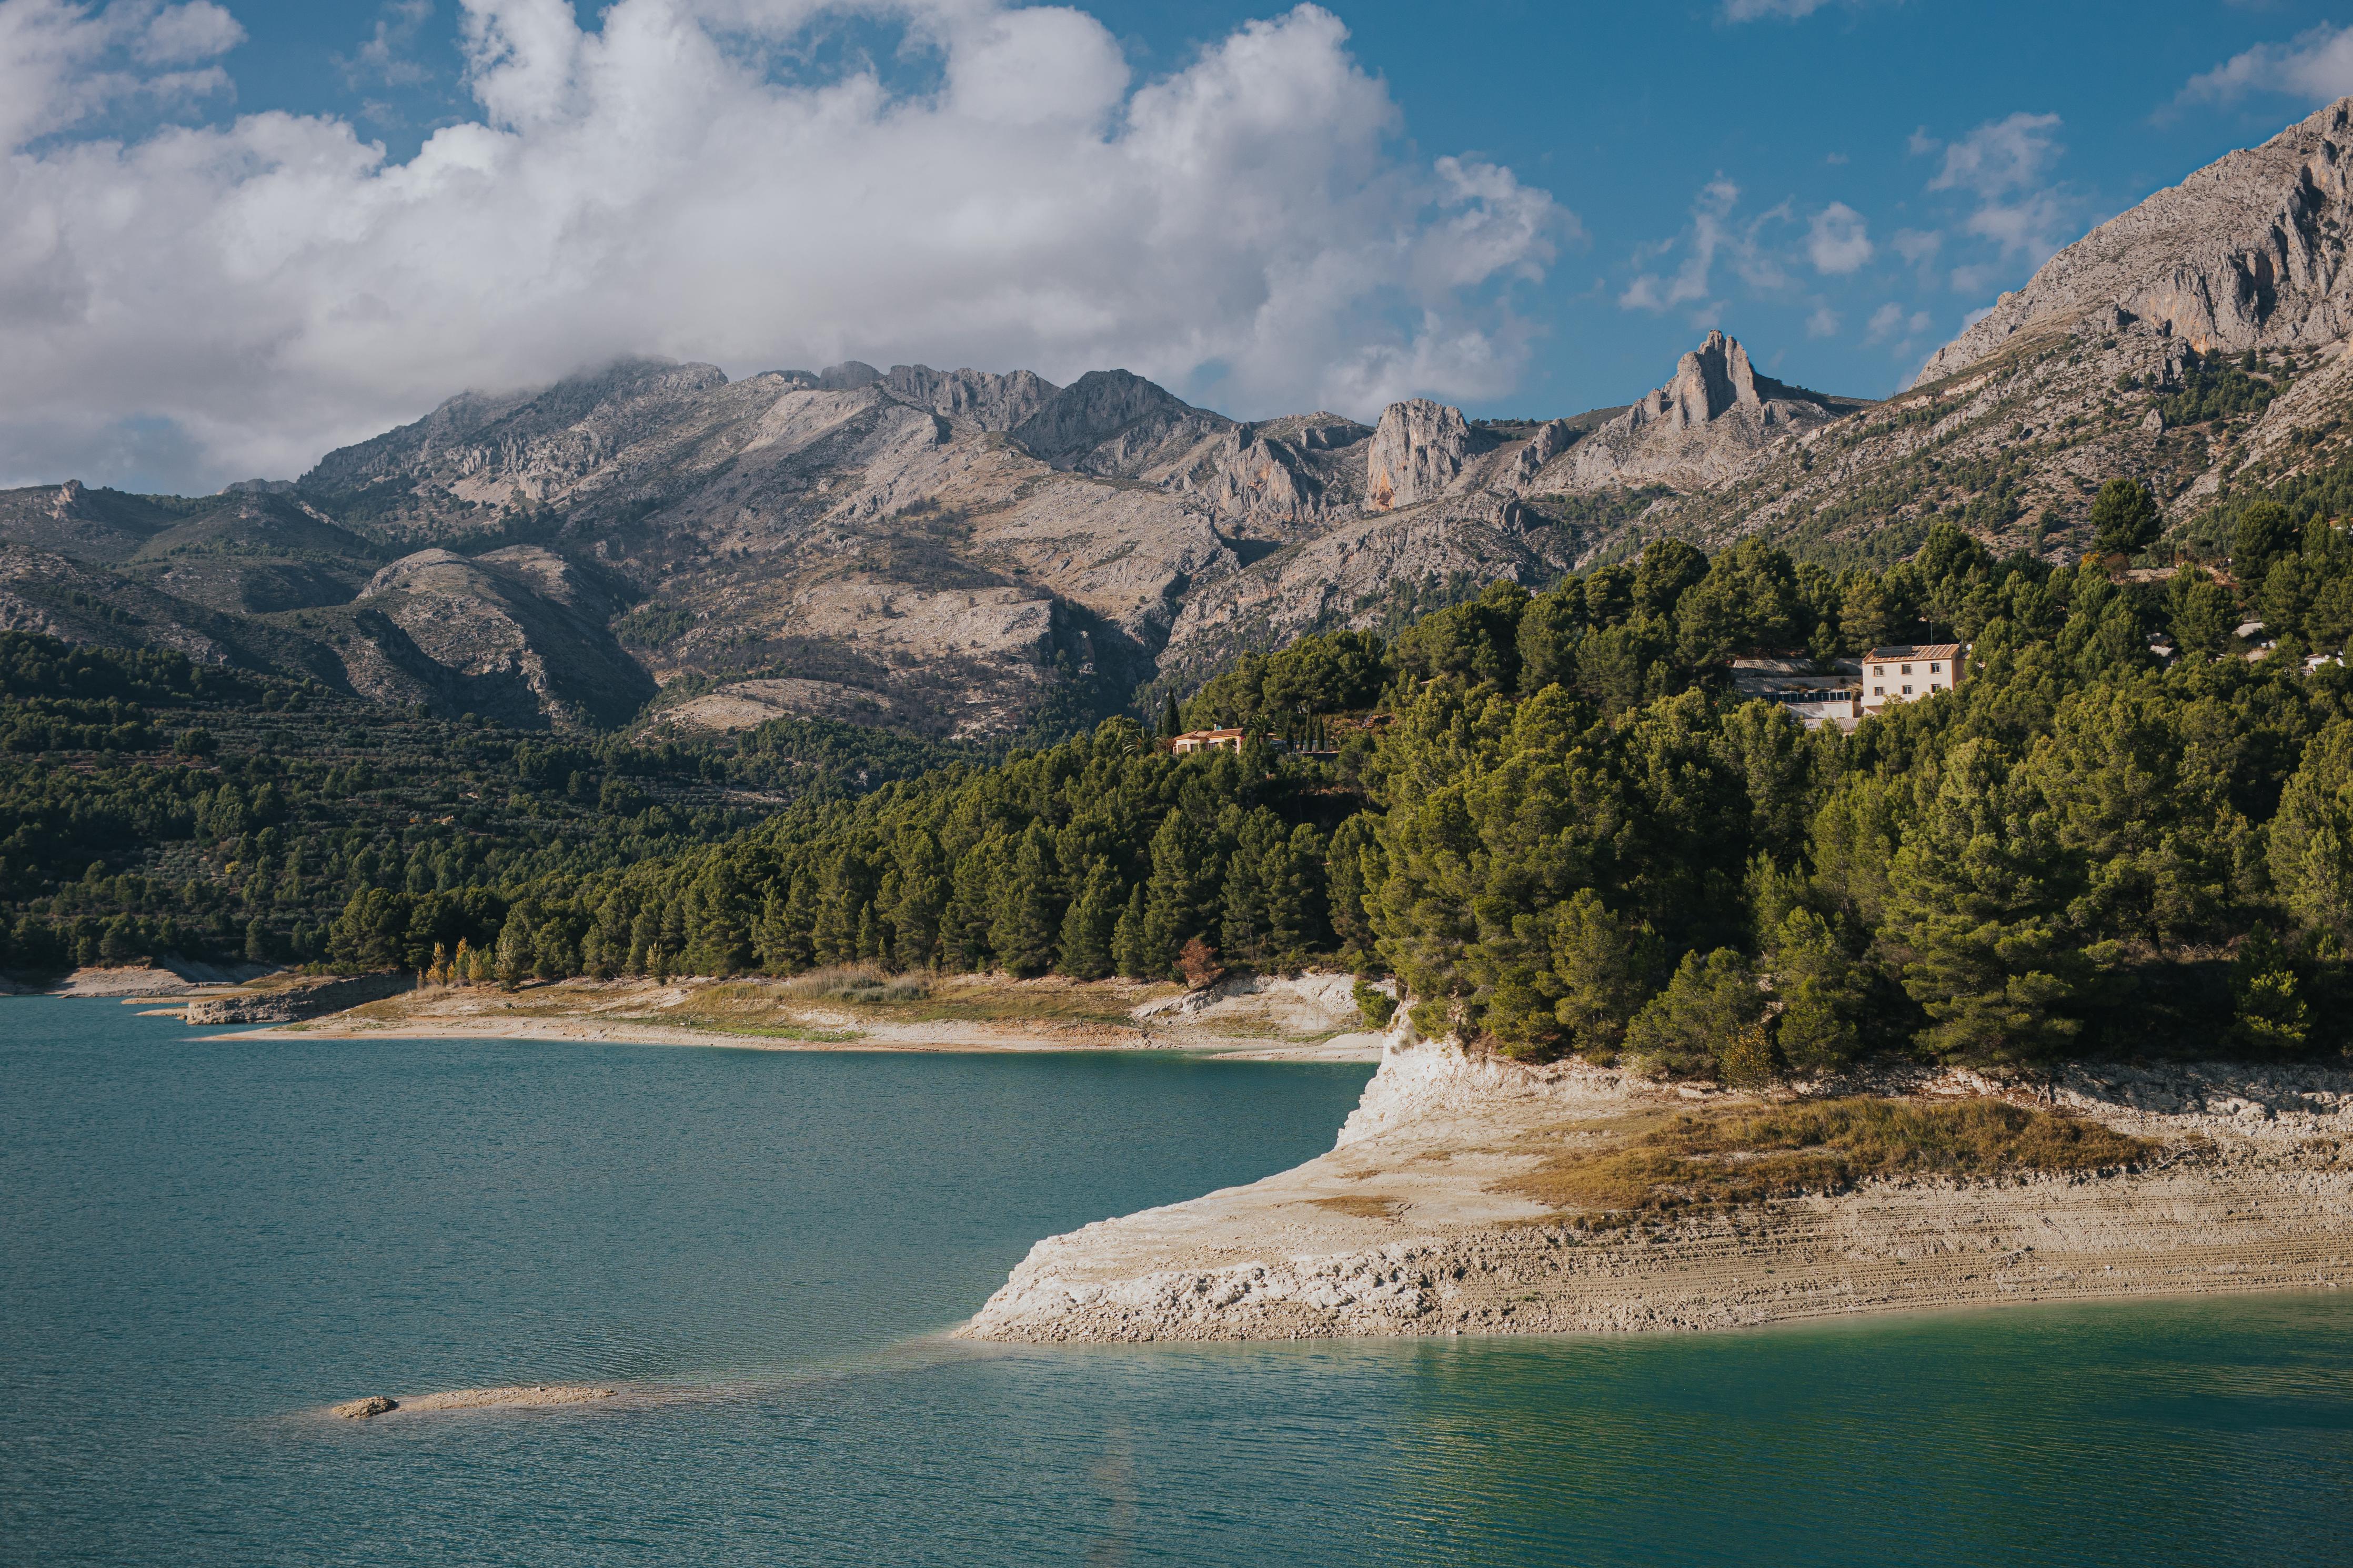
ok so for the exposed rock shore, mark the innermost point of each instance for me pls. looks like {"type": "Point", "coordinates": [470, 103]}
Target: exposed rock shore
{"type": "Point", "coordinates": [1411, 1225]}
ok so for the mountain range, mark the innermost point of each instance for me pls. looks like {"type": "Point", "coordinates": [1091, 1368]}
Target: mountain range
{"type": "Point", "coordinates": [957, 553]}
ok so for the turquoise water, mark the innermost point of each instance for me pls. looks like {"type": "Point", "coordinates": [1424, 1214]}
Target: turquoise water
{"type": "Point", "coordinates": [202, 1239]}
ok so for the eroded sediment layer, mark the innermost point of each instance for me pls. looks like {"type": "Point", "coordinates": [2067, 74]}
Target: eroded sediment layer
{"type": "Point", "coordinates": [1412, 1225]}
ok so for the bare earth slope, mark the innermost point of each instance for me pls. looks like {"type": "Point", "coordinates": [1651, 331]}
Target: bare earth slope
{"type": "Point", "coordinates": [1416, 1222]}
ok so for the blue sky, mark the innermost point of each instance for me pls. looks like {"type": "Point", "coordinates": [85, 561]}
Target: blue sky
{"type": "Point", "coordinates": [1525, 208]}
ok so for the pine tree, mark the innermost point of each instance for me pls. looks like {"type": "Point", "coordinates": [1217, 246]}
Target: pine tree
{"type": "Point", "coordinates": [1179, 899]}
{"type": "Point", "coordinates": [1026, 928]}
{"type": "Point", "coordinates": [1970, 905]}
{"type": "Point", "coordinates": [1243, 928]}
{"type": "Point", "coordinates": [1171, 725]}
{"type": "Point", "coordinates": [1090, 925]}
{"type": "Point", "coordinates": [1130, 949]}
{"type": "Point", "coordinates": [1292, 874]}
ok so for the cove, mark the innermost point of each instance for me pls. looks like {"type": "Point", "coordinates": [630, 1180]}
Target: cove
{"type": "Point", "coordinates": [203, 1240]}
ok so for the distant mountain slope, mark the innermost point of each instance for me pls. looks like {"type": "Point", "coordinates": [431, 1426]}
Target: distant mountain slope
{"type": "Point", "coordinates": [2195, 342]}
{"type": "Point", "coordinates": [961, 551]}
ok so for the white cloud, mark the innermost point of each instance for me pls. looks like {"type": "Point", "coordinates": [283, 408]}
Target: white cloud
{"type": "Point", "coordinates": [1713, 234]}
{"type": "Point", "coordinates": [1243, 229]}
{"type": "Point", "coordinates": [1999, 156]}
{"type": "Point", "coordinates": [386, 56]}
{"type": "Point", "coordinates": [2004, 164]}
{"type": "Point", "coordinates": [1786, 10]}
{"type": "Point", "coordinates": [2316, 66]}
{"type": "Point", "coordinates": [1885, 322]}
{"type": "Point", "coordinates": [1822, 323]}
{"type": "Point", "coordinates": [1838, 241]}
{"type": "Point", "coordinates": [61, 63]}
{"type": "Point", "coordinates": [1918, 246]}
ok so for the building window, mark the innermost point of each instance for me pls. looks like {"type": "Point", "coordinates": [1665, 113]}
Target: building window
{"type": "Point", "coordinates": [1879, 691]}
{"type": "Point", "coordinates": [1935, 669]}
{"type": "Point", "coordinates": [1878, 670]}
{"type": "Point", "coordinates": [1907, 669]}
{"type": "Point", "coordinates": [1907, 691]}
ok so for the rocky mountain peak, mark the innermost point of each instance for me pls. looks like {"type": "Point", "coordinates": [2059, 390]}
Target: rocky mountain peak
{"type": "Point", "coordinates": [989, 400]}
{"type": "Point", "coordinates": [1417, 451]}
{"type": "Point", "coordinates": [1716, 415]}
{"type": "Point", "coordinates": [1116, 423]}
{"type": "Point", "coordinates": [1710, 381]}
{"type": "Point", "coordinates": [2248, 252]}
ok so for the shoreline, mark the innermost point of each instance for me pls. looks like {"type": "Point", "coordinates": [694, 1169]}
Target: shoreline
{"type": "Point", "coordinates": [946, 1038]}
{"type": "Point", "coordinates": [1413, 1225]}
{"type": "Point", "coordinates": [1310, 1017]}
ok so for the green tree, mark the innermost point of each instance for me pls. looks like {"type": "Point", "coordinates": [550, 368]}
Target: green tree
{"type": "Point", "coordinates": [2125, 519]}
{"type": "Point", "coordinates": [1026, 931]}
{"type": "Point", "coordinates": [1605, 968]}
{"type": "Point", "coordinates": [1090, 924]}
{"type": "Point", "coordinates": [1824, 993]}
{"type": "Point", "coordinates": [1970, 915]}
{"type": "Point", "coordinates": [2312, 836]}
{"type": "Point", "coordinates": [1690, 1028]}
{"type": "Point", "coordinates": [2265, 533]}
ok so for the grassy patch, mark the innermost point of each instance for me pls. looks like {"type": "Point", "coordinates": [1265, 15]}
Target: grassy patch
{"type": "Point", "coordinates": [1756, 1152]}
{"type": "Point", "coordinates": [1363, 1209]}
{"type": "Point", "coordinates": [797, 1032]}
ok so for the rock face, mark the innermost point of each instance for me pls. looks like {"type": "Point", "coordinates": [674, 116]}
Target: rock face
{"type": "Point", "coordinates": [1417, 454]}
{"type": "Point", "coordinates": [2248, 252]}
{"type": "Point", "coordinates": [363, 1409]}
{"type": "Point", "coordinates": [309, 997]}
{"type": "Point", "coordinates": [1702, 426]}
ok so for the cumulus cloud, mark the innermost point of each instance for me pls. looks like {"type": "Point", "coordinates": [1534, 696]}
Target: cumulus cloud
{"type": "Point", "coordinates": [61, 63]}
{"type": "Point", "coordinates": [1838, 241]}
{"type": "Point", "coordinates": [2316, 66]}
{"type": "Point", "coordinates": [1716, 234]}
{"type": "Point", "coordinates": [678, 180]}
{"type": "Point", "coordinates": [387, 56]}
{"type": "Point", "coordinates": [1999, 156]}
{"type": "Point", "coordinates": [2005, 165]}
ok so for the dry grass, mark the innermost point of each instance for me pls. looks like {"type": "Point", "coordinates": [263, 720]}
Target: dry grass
{"type": "Point", "coordinates": [1752, 1153]}
{"type": "Point", "coordinates": [1363, 1209]}
{"type": "Point", "coordinates": [866, 984]}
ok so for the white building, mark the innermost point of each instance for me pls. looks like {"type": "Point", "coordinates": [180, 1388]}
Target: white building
{"type": "Point", "coordinates": [1814, 696]}
{"type": "Point", "coordinates": [1907, 672]}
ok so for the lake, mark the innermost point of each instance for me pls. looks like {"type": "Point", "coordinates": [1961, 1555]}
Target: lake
{"type": "Point", "coordinates": [203, 1240]}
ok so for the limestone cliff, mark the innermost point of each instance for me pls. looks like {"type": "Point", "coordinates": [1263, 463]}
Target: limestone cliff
{"type": "Point", "coordinates": [2248, 252]}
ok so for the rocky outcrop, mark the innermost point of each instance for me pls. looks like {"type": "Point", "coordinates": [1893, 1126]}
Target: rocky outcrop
{"type": "Point", "coordinates": [1418, 452]}
{"type": "Point", "coordinates": [981, 398]}
{"type": "Point", "coordinates": [309, 996]}
{"type": "Point", "coordinates": [2248, 252]}
{"type": "Point", "coordinates": [519, 634]}
{"type": "Point", "coordinates": [1702, 426]}
{"type": "Point", "coordinates": [1117, 425]}
{"type": "Point", "coordinates": [375, 1404]}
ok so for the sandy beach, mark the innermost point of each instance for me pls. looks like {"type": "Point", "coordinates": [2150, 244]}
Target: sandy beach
{"type": "Point", "coordinates": [1425, 1219]}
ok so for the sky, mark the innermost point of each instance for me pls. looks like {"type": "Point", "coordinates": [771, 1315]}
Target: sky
{"type": "Point", "coordinates": [235, 234]}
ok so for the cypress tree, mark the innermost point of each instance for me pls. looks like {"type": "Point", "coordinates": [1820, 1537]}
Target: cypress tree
{"type": "Point", "coordinates": [1171, 725]}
